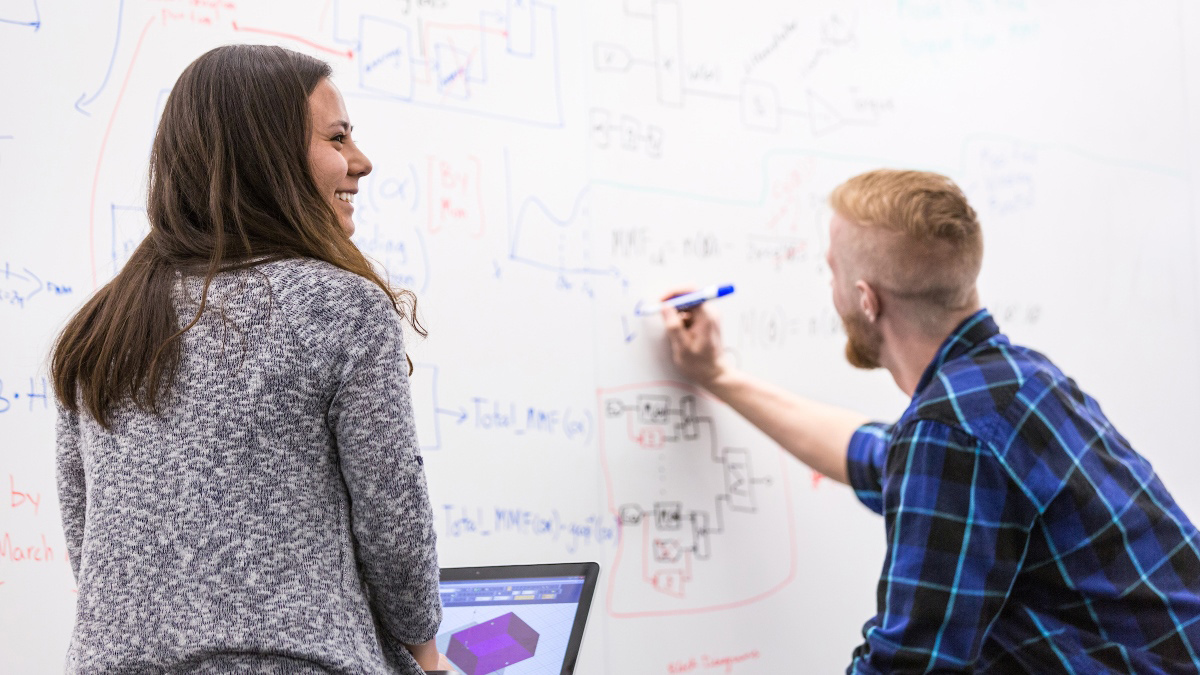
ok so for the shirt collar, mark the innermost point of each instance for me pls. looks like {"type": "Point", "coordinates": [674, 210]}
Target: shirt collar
{"type": "Point", "coordinates": [974, 330]}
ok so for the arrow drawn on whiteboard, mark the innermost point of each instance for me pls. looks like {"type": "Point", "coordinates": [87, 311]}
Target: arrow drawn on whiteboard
{"type": "Point", "coordinates": [461, 414]}
{"type": "Point", "coordinates": [36, 23]}
{"type": "Point", "coordinates": [79, 102]}
{"type": "Point", "coordinates": [629, 335]}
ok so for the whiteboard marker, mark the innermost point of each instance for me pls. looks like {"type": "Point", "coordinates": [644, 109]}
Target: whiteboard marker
{"type": "Point", "coordinates": [686, 301]}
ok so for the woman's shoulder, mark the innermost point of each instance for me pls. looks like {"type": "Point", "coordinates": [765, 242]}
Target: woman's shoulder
{"type": "Point", "coordinates": [301, 283]}
{"type": "Point", "coordinates": [322, 301]}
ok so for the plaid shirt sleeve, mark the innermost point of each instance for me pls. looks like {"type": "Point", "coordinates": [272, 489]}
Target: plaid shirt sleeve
{"type": "Point", "coordinates": [957, 528]}
{"type": "Point", "coordinates": [864, 463]}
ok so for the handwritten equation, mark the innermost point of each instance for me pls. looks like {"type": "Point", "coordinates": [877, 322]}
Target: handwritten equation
{"type": "Point", "coordinates": [32, 394]}
{"type": "Point", "coordinates": [459, 521]}
{"type": "Point", "coordinates": [19, 286]}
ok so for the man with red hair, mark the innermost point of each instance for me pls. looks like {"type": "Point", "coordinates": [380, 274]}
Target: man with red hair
{"type": "Point", "coordinates": [1024, 533]}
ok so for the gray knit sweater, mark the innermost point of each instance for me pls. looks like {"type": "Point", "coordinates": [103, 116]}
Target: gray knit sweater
{"type": "Point", "coordinates": [274, 518]}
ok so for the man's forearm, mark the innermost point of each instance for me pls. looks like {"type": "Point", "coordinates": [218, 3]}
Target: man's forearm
{"type": "Point", "coordinates": [816, 433]}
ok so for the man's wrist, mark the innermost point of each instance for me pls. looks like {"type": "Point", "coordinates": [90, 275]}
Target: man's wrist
{"type": "Point", "coordinates": [723, 382]}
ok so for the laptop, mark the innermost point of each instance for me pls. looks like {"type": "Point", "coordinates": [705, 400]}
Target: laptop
{"type": "Point", "coordinates": [515, 619]}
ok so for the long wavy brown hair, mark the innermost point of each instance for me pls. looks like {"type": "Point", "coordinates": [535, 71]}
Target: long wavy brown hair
{"type": "Point", "coordinates": [230, 187]}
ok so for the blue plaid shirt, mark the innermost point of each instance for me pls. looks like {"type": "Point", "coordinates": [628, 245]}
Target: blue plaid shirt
{"type": "Point", "coordinates": [1024, 534]}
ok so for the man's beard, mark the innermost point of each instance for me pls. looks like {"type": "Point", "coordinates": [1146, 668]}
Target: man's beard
{"type": "Point", "coordinates": [863, 342]}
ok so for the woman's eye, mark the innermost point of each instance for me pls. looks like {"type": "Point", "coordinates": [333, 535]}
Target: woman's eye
{"type": "Point", "coordinates": [340, 138]}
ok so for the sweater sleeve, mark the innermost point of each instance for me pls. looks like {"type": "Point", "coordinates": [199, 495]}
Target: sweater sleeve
{"type": "Point", "coordinates": [371, 417]}
{"type": "Point", "coordinates": [72, 486]}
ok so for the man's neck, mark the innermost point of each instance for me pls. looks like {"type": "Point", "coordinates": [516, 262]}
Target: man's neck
{"type": "Point", "coordinates": [909, 349]}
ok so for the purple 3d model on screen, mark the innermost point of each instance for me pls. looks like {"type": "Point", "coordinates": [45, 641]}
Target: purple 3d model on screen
{"type": "Point", "coordinates": [489, 646]}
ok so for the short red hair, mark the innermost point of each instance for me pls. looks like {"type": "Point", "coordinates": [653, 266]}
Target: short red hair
{"type": "Point", "coordinates": [916, 236]}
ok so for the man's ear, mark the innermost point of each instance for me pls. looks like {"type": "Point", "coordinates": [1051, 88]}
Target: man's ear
{"type": "Point", "coordinates": [868, 300]}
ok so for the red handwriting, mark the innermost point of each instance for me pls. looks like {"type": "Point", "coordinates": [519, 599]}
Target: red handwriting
{"type": "Point", "coordinates": [709, 662]}
{"type": "Point", "coordinates": [18, 498]}
{"type": "Point", "coordinates": [36, 553]}
{"type": "Point", "coordinates": [651, 437]}
{"type": "Point", "coordinates": [728, 662]}
{"type": "Point", "coordinates": [685, 666]}
{"type": "Point", "coordinates": [456, 196]}
{"type": "Point", "coordinates": [794, 197]}
{"type": "Point", "coordinates": [202, 12]}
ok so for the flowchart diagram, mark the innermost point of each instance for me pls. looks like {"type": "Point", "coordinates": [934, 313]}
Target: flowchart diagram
{"type": "Point", "coordinates": [713, 508]}
{"type": "Point", "coordinates": [686, 75]}
{"type": "Point", "coordinates": [460, 60]}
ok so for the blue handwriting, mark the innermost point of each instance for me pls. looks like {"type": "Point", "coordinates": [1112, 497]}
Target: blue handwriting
{"type": "Point", "coordinates": [463, 521]}
{"type": "Point", "coordinates": [490, 415]}
{"type": "Point", "coordinates": [18, 286]}
{"type": "Point", "coordinates": [38, 395]}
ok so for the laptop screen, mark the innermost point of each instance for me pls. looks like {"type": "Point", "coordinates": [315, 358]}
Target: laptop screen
{"type": "Point", "coordinates": [510, 626]}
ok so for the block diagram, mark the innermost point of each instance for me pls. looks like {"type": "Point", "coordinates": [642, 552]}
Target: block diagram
{"type": "Point", "coordinates": [701, 500]}
{"type": "Point", "coordinates": [500, 63]}
{"type": "Point", "coordinates": [783, 80]}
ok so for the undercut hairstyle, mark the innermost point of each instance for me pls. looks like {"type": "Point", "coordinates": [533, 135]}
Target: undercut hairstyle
{"type": "Point", "coordinates": [230, 187]}
{"type": "Point", "coordinates": [916, 237]}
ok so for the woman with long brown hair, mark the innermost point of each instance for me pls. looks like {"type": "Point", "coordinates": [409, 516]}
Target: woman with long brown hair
{"type": "Point", "coordinates": [239, 474]}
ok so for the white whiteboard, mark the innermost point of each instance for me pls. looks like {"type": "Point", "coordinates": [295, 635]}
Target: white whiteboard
{"type": "Point", "coordinates": [541, 165]}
